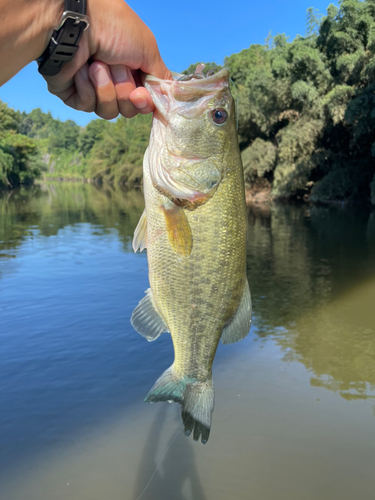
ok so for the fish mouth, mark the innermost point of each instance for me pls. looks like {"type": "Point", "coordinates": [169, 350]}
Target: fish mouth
{"type": "Point", "coordinates": [192, 79]}
{"type": "Point", "coordinates": [178, 95]}
{"type": "Point", "coordinates": [196, 85]}
{"type": "Point", "coordinates": [197, 79]}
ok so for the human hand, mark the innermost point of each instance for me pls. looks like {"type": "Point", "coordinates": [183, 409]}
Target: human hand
{"type": "Point", "coordinates": [119, 44]}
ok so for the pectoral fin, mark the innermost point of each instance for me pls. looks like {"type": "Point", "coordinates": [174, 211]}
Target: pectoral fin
{"type": "Point", "coordinates": [146, 320]}
{"type": "Point", "coordinates": [140, 233]}
{"type": "Point", "coordinates": [239, 327]}
{"type": "Point", "coordinates": [178, 230]}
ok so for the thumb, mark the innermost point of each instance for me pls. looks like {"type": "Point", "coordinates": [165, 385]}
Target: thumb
{"type": "Point", "coordinates": [153, 63]}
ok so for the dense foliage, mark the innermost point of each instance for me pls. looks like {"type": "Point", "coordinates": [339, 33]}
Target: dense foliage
{"type": "Point", "coordinates": [307, 108]}
{"type": "Point", "coordinates": [101, 151]}
{"type": "Point", "coordinates": [306, 112]}
{"type": "Point", "coordinates": [19, 159]}
{"type": "Point", "coordinates": [35, 143]}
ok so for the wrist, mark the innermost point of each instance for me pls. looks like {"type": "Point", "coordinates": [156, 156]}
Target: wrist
{"type": "Point", "coordinates": [64, 43]}
{"type": "Point", "coordinates": [25, 30]}
{"type": "Point", "coordinates": [47, 20]}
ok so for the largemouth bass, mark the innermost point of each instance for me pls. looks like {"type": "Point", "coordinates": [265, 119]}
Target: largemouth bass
{"type": "Point", "coordinates": [194, 228]}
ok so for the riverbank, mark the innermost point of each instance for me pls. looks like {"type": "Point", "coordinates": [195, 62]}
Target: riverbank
{"type": "Point", "coordinates": [260, 194]}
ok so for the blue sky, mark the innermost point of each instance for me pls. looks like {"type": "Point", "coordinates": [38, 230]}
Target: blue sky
{"type": "Point", "coordinates": [186, 32]}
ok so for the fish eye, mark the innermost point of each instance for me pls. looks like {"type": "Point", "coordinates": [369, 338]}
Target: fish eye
{"type": "Point", "coordinates": [219, 116]}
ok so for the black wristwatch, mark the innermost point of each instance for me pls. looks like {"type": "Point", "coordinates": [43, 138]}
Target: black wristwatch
{"type": "Point", "coordinates": [64, 41]}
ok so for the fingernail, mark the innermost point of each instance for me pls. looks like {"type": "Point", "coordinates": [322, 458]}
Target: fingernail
{"type": "Point", "coordinates": [120, 73]}
{"type": "Point", "coordinates": [101, 76]}
{"type": "Point", "coordinates": [140, 102]}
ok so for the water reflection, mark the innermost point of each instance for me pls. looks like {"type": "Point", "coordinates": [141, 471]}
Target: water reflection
{"type": "Point", "coordinates": [66, 295]}
{"type": "Point", "coordinates": [177, 476]}
{"type": "Point", "coordinates": [51, 207]}
{"type": "Point", "coordinates": [312, 275]}
{"type": "Point", "coordinates": [371, 234]}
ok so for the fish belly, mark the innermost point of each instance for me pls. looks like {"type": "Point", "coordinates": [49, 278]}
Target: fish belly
{"type": "Point", "coordinates": [199, 294]}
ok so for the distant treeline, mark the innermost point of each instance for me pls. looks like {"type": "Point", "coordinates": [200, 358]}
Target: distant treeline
{"type": "Point", "coordinates": [306, 113]}
{"type": "Point", "coordinates": [34, 144]}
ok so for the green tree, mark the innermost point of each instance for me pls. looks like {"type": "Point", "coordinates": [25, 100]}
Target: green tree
{"type": "Point", "coordinates": [91, 134]}
{"type": "Point", "coordinates": [313, 21]}
{"type": "Point", "coordinates": [208, 67]}
{"type": "Point", "coordinates": [19, 156]}
{"type": "Point", "coordinates": [118, 156]}
{"type": "Point", "coordinates": [311, 99]}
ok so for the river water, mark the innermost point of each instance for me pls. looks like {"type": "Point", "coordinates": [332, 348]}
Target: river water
{"type": "Point", "coordinates": [294, 414]}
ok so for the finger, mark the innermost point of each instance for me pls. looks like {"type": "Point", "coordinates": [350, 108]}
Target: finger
{"type": "Point", "coordinates": [154, 64]}
{"type": "Point", "coordinates": [63, 84]}
{"type": "Point", "coordinates": [142, 101]}
{"type": "Point", "coordinates": [85, 97]}
{"type": "Point", "coordinates": [124, 85]}
{"type": "Point", "coordinates": [81, 95]}
{"type": "Point", "coordinates": [157, 67]}
{"type": "Point", "coordinates": [106, 99]}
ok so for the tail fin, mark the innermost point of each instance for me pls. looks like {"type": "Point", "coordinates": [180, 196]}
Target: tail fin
{"type": "Point", "coordinates": [196, 398]}
{"type": "Point", "coordinates": [197, 408]}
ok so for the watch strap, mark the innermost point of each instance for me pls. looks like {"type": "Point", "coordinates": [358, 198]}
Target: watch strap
{"type": "Point", "coordinates": [64, 41]}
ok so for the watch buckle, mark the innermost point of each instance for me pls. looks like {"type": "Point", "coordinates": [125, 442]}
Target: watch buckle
{"type": "Point", "coordinates": [69, 14]}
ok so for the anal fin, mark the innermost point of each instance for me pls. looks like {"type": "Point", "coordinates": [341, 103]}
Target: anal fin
{"type": "Point", "coordinates": [146, 320]}
{"type": "Point", "coordinates": [168, 387]}
{"type": "Point", "coordinates": [239, 326]}
{"type": "Point", "coordinates": [140, 233]}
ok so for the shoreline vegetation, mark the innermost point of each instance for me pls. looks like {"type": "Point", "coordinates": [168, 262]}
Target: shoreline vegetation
{"type": "Point", "coordinates": [306, 115]}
